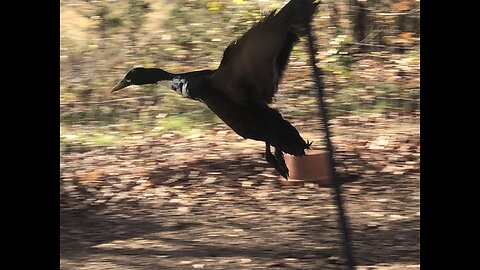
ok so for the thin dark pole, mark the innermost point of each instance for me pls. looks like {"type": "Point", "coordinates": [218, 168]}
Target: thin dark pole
{"type": "Point", "coordinates": [317, 73]}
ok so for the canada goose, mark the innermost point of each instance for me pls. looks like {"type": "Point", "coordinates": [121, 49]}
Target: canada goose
{"type": "Point", "coordinates": [240, 90]}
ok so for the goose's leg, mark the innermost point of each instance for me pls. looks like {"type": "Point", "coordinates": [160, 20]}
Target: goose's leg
{"type": "Point", "coordinates": [274, 162]}
{"type": "Point", "coordinates": [269, 156]}
{"type": "Point", "coordinates": [281, 163]}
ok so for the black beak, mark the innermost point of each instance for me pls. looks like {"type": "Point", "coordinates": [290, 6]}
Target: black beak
{"type": "Point", "coordinates": [122, 84]}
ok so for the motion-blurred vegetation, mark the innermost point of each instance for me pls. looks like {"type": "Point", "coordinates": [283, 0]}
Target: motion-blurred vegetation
{"type": "Point", "coordinates": [368, 50]}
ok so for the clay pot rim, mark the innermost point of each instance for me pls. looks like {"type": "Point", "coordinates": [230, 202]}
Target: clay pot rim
{"type": "Point", "coordinates": [313, 152]}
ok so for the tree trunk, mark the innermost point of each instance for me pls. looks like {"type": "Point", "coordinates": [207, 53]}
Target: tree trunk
{"type": "Point", "coordinates": [360, 26]}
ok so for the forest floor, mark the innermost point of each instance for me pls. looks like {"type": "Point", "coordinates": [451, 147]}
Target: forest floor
{"type": "Point", "coordinates": [210, 201]}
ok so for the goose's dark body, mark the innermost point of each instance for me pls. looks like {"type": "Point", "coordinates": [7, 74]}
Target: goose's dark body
{"type": "Point", "coordinates": [240, 90]}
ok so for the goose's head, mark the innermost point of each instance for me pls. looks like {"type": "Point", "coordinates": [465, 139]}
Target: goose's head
{"type": "Point", "coordinates": [140, 76]}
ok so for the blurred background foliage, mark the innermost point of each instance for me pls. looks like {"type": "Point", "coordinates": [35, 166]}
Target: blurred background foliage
{"type": "Point", "coordinates": [369, 51]}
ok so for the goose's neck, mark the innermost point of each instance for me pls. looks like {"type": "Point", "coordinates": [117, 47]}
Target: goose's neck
{"type": "Point", "coordinates": [155, 75]}
{"type": "Point", "coordinates": [179, 84]}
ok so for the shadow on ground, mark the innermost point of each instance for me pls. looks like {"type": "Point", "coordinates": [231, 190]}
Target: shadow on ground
{"type": "Point", "coordinates": [262, 222]}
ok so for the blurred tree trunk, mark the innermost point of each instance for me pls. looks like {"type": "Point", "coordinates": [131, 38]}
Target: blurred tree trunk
{"type": "Point", "coordinates": [137, 11]}
{"type": "Point", "coordinates": [360, 21]}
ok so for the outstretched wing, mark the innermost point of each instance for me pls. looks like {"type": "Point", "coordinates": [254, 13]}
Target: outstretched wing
{"type": "Point", "coordinates": [252, 67]}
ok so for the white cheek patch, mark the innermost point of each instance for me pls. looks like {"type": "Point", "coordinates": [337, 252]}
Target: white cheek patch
{"type": "Point", "coordinates": [180, 85]}
{"type": "Point", "coordinates": [185, 90]}
{"type": "Point", "coordinates": [175, 84]}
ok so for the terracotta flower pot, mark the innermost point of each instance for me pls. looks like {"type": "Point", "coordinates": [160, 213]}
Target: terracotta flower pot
{"type": "Point", "coordinates": [313, 167]}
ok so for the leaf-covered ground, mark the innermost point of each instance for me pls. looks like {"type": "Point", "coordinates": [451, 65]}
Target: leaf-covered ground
{"type": "Point", "coordinates": [211, 201]}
